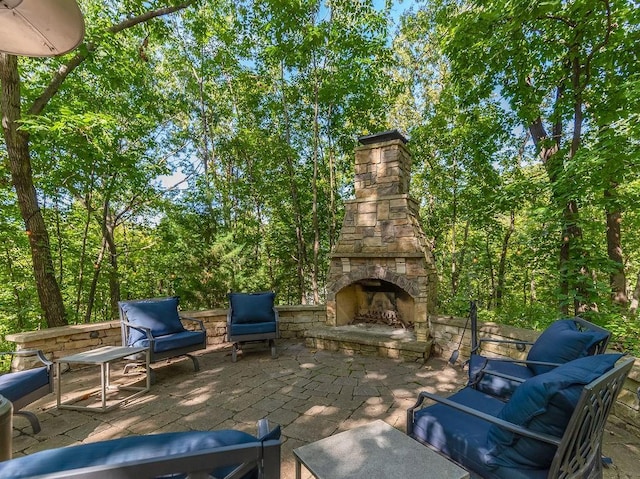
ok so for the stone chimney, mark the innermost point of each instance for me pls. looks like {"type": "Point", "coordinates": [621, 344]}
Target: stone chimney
{"type": "Point", "coordinates": [382, 251]}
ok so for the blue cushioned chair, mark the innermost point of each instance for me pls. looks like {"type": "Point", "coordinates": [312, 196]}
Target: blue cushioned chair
{"type": "Point", "coordinates": [24, 387]}
{"type": "Point", "coordinates": [551, 427]}
{"type": "Point", "coordinates": [227, 453]}
{"type": "Point", "coordinates": [157, 324]}
{"type": "Point", "coordinates": [564, 340]}
{"type": "Point", "coordinates": [252, 317]}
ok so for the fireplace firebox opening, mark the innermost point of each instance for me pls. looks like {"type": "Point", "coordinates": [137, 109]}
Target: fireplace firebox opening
{"type": "Point", "coordinates": [375, 301]}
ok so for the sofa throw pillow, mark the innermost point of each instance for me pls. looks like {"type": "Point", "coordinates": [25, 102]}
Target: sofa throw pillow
{"type": "Point", "coordinates": [561, 342]}
{"type": "Point", "coordinates": [543, 404]}
{"type": "Point", "coordinates": [160, 315]}
{"type": "Point", "coordinates": [252, 307]}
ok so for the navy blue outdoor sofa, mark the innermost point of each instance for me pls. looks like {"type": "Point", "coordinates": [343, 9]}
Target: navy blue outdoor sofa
{"type": "Point", "coordinates": [551, 427]}
{"type": "Point", "coordinates": [564, 340]}
{"type": "Point", "coordinates": [228, 454]}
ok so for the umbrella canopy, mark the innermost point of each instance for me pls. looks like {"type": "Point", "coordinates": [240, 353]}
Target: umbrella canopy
{"type": "Point", "coordinates": [40, 28]}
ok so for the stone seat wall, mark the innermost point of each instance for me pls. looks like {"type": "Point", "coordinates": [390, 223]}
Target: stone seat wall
{"type": "Point", "coordinates": [295, 321]}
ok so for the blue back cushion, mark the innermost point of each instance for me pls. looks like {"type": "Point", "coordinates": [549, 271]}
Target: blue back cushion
{"type": "Point", "coordinates": [562, 342]}
{"type": "Point", "coordinates": [252, 307]}
{"type": "Point", "coordinates": [159, 315]}
{"type": "Point", "coordinates": [543, 404]}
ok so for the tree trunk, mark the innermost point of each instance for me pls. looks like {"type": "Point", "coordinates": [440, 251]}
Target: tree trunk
{"type": "Point", "coordinates": [333, 224]}
{"type": "Point", "coordinates": [83, 255]}
{"type": "Point", "coordinates": [455, 273]}
{"type": "Point", "coordinates": [551, 156]}
{"type": "Point", "coordinates": [295, 197]}
{"type": "Point", "coordinates": [315, 270]}
{"type": "Point", "coordinates": [91, 299]}
{"type": "Point", "coordinates": [635, 300]}
{"type": "Point", "coordinates": [617, 278]}
{"type": "Point", "coordinates": [20, 165]}
{"type": "Point", "coordinates": [502, 266]}
{"type": "Point", "coordinates": [492, 277]}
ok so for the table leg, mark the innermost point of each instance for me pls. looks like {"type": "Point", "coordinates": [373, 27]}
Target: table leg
{"type": "Point", "coordinates": [58, 392]}
{"type": "Point", "coordinates": [298, 469]}
{"type": "Point", "coordinates": [148, 366]}
{"type": "Point", "coordinates": [108, 375]}
{"type": "Point", "coordinates": [103, 384]}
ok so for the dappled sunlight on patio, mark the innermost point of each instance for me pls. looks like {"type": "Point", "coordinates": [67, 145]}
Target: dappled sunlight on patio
{"type": "Point", "coordinates": [311, 393]}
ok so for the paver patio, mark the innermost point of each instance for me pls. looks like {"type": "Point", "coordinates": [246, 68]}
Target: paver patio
{"type": "Point", "coordinates": [311, 393]}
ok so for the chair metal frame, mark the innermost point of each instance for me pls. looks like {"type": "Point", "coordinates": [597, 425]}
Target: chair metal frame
{"type": "Point", "coordinates": [580, 448]}
{"type": "Point", "coordinates": [42, 391]}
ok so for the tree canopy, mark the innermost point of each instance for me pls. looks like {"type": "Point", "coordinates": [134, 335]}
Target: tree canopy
{"type": "Point", "coordinates": [200, 147]}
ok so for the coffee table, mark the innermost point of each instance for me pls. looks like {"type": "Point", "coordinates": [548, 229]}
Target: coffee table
{"type": "Point", "coordinates": [103, 357]}
{"type": "Point", "coordinates": [373, 451]}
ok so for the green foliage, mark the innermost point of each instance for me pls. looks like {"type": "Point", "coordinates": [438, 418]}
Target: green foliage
{"type": "Point", "coordinates": [625, 331]}
{"type": "Point", "coordinates": [211, 150]}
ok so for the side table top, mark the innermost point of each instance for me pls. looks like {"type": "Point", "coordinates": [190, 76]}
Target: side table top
{"type": "Point", "coordinates": [375, 451]}
{"type": "Point", "coordinates": [101, 355]}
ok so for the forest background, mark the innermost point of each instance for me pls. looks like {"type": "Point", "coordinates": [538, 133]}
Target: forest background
{"type": "Point", "coordinates": [200, 147]}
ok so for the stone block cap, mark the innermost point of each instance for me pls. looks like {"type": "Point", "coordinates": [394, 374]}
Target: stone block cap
{"type": "Point", "coordinates": [382, 137]}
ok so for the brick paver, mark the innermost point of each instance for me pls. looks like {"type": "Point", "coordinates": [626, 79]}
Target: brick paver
{"type": "Point", "coordinates": [310, 393]}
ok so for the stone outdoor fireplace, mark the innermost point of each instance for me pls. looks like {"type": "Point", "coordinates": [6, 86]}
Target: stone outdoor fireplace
{"type": "Point", "coordinates": [382, 269]}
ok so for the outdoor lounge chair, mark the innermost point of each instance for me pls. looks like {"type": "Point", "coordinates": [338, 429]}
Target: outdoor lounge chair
{"type": "Point", "coordinates": [24, 387]}
{"type": "Point", "coordinates": [551, 427]}
{"type": "Point", "coordinates": [252, 317]}
{"type": "Point", "coordinates": [564, 340]}
{"type": "Point", "coordinates": [156, 323]}
{"type": "Point", "coordinates": [196, 454]}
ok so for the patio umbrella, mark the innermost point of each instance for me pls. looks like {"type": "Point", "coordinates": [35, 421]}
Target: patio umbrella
{"type": "Point", "coordinates": [40, 28]}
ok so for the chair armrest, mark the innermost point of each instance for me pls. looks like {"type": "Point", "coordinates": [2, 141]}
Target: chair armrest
{"type": "Point", "coordinates": [263, 427]}
{"type": "Point", "coordinates": [482, 372]}
{"type": "Point", "coordinates": [199, 321]}
{"type": "Point", "coordinates": [524, 362]}
{"type": "Point", "coordinates": [484, 416]}
{"type": "Point", "coordinates": [519, 345]}
{"type": "Point", "coordinates": [142, 329]}
{"type": "Point", "coordinates": [29, 352]}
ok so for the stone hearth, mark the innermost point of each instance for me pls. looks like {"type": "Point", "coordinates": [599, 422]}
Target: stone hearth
{"type": "Point", "coordinates": [370, 340]}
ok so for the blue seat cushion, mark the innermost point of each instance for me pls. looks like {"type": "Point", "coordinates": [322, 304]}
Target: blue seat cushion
{"type": "Point", "coordinates": [252, 328]}
{"type": "Point", "coordinates": [14, 386]}
{"type": "Point", "coordinates": [543, 404]}
{"type": "Point", "coordinates": [496, 385]}
{"type": "Point", "coordinates": [159, 315]}
{"type": "Point", "coordinates": [460, 436]}
{"type": "Point", "coordinates": [173, 341]}
{"type": "Point", "coordinates": [562, 342]}
{"type": "Point", "coordinates": [123, 450]}
{"type": "Point", "coordinates": [252, 307]}
{"type": "Point", "coordinates": [463, 437]}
